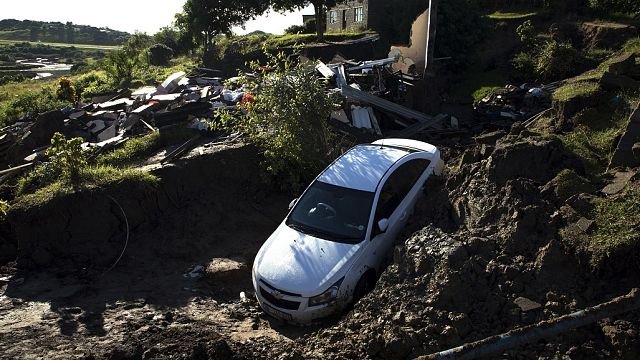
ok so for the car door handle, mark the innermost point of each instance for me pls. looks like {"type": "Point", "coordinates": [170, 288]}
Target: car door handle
{"type": "Point", "coordinates": [403, 216]}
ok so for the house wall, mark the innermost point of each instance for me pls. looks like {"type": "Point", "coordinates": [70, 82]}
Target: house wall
{"type": "Point", "coordinates": [348, 8]}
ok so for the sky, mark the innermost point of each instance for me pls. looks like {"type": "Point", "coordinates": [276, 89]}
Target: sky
{"type": "Point", "coordinates": [130, 16]}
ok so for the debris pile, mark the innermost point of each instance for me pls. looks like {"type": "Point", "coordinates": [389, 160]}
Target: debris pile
{"type": "Point", "coordinates": [375, 97]}
{"type": "Point", "coordinates": [525, 103]}
{"type": "Point", "coordinates": [107, 122]}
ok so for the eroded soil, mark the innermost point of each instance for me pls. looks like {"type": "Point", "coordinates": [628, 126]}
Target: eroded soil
{"type": "Point", "coordinates": [484, 242]}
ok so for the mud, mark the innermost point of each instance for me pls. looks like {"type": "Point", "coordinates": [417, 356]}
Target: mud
{"type": "Point", "coordinates": [482, 255]}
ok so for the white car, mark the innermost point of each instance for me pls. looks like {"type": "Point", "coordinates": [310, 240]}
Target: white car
{"type": "Point", "coordinates": [331, 246]}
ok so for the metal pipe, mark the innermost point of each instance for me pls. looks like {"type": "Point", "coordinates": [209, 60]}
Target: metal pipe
{"type": "Point", "coordinates": [544, 329]}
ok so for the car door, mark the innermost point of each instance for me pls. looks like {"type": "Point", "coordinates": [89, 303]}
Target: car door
{"type": "Point", "coordinates": [395, 201]}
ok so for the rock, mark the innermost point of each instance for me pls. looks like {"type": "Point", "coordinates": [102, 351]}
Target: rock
{"type": "Point", "coordinates": [490, 138]}
{"type": "Point", "coordinates": [585, 224]}
{"type": "Point", "coordinates": [226, 271]}
{"type": "Point", "coordinates": [534, 158]}
{"type": "Point", "coordinates": [581, 203]}
{"type": "Point", "coordinates": [552, 260]}
{"type": "Point", "coordinates": [610, 81]}
{"type": "Point", "coordinates": [40, 135]}
{"type": "Point", "coordinates": [623, 155]}
{"type": "Point", "coordinates": [619, 182]}
{"type": "Point", "coordinates": [605, 34]}
{"type": "Point", "coordinates": [565, 185]}
{"type": "Point", "coordinates": [526, 304]}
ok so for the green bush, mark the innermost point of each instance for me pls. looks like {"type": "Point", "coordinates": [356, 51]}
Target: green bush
{"type": "Point", "coordinates": [556, 60]}
{"type": "Point", "coordinates": [160, 54]}
{"type": "Point", "coordinates": [616, 6]}
{"type": "Point", "coordinates": [92, 83]}
{"type": "Point", "coordinates": [527, 33]}
{"type": "Point", "coordinates": [286, 117]}
{"type": "Point", "coordinates": [31, 103]}
{"type": "Point", "coordinates": [524, 66]}
{"type": "Point", "coordinates": [67, 157]}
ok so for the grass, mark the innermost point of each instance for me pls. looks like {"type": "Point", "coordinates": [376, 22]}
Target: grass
{"type": "Point", "coordinates": [593, 138]}
{"type": "Point", "coordinates": [251, 43]}
{"type": "Point", "coordinates": [141, 147]}
{"type": "Point", "coordinates": [499, 15]}
{"type": "Point", "coordinates": [79, 46]}
{"type": "Point", "coordinates": [618, 222]}
{"type": "Point", "coordinates": [479, 84]}
{"type": "Point", "coordinates": [576, 89]}
{"type": "Point", "coordinates": [100, 176]}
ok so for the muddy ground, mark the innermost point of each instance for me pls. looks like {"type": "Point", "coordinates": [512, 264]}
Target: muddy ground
{"type": "Point", "coordinates": [482, 255]}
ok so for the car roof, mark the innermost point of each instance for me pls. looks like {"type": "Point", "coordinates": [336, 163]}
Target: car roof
{"type": "Point", "coordinates": [362, 167]}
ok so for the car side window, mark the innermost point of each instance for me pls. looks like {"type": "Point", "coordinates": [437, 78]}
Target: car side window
{"type": "Point", "coordinates": [396, 188]}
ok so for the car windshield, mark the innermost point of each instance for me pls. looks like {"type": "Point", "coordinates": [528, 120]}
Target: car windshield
{"type": "Point", "coordinates": [332, 213]}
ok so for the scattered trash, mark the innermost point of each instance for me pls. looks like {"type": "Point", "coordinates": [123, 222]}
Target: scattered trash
{"type": "Point", "coordinates": [197, 272]}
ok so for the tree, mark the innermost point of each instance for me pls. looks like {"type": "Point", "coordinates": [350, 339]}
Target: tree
{"type": "Point", "coordinates": [206, 19]}
{"type": "Point", "coordinates": [320, 7]}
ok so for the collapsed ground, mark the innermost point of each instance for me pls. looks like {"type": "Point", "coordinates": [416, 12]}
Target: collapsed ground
{"type": "Point", "coordinates": [524, 225]}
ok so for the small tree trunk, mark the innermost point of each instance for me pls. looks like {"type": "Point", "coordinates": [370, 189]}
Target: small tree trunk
{"type": "Point", "coordinates": [320, 13]}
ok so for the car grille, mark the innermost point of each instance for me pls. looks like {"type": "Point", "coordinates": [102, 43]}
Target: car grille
{"type": "Point", "coordinates": [281, 303]}
{"type": "Point", "coordinates": [278, 290]}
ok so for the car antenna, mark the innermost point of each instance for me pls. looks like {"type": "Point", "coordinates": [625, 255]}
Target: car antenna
{"type": "Point", "coordinates": [382, 143]}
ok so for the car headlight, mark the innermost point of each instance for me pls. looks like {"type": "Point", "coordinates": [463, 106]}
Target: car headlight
{"type": "Point", "coordinates": [327, 296]}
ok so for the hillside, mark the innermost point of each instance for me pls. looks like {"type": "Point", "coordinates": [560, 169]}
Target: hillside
{"type": "Point", "coordinates": [57, 32]}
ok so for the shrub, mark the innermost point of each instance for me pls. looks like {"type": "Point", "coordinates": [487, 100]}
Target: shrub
{"type": "Point", "coordinates": [32, 103]}
{"type": "Point", "coordinates": [92, 83]}
{"type": "Point", "coordinates": [160, 54]}
{"type": "Point", "coordinates": [67, 157]}
{"type": "Point", "coordinates": [556, 60]}
{"type": "Point", "coordinates": [527, 33]}
{"type": "Point", "coordinates": [287, 119]}
{"type": "Point", "coordinates": [524, 65]}
{"type": "Point", "coordinates": [66, 91]}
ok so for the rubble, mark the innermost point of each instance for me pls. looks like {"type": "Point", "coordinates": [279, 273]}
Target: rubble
{"type": "Point", "coordinates": [525, 103]}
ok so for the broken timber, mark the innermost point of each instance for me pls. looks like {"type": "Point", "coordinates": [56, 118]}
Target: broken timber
{"type": "Point", "coordinates": [362, 96]}
{"type": "Point", "coordinates": [544, 329]}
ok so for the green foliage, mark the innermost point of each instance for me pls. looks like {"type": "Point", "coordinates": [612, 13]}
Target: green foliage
{"type": "Point", "coordinates": [527, 33]}
{"type": "Point", "coordinates": [66, 91]}
{"type": "Point", "coordinates": [4, 209]}
{"type": "Point", "coordinates": [90, 176]}
{"type": "Point", "coordinates": [38, 31]}
{"type": "Point", "coordinates": [287, 119]}
{"type": "Point", "coordinates": [203, 20]}
{"type": "Point", "coordinates": [67, 157]}
{"type": "Point", "coordinates": [568, 183]}
{"type": "Point", "coordinates": [309, 27]}
{"type": "Point", "coordinates": [461, 29]}
{"type": "Point", "coordinates": [138, 148]}
{"type": "Point", "coordinates": [92, 83]}
{"type": "Point", "coordinates": [595, 133]}
{"type": "Point", "coordinates": [42, 175]}
{"type": "Point", "coordinates": [160, 54]}
{"type": "Point", "coordinates": [575, 89]}
{"type": "Point", "coordinates": [121, 64]}
{"type": "Point", "coordinates": [524, 66]}
{"type": "Point", "coordinates": [617, 223]}
{"type": "Point", "coordinates": [631, 7]}
{"type": "Point", "coordinates": [500, 15]}
{"type": "Point", "coordinates": [556, 60]}
{"type": "Point", "coordinates": [31, 102]}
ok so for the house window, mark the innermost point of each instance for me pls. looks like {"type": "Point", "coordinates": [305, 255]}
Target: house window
{"type": "Point", "coordinates": [358, 14]}
{"type": "Point", "coordinates": [333, 17]}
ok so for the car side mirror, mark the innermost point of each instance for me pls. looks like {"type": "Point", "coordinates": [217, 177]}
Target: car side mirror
{"type": "Point", "coordinates": [383, 225]}
{"type": "Point", "coordinates": [293, 203]}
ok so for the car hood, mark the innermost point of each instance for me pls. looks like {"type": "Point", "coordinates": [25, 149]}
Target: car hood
{"type": "Point", "coordinates": [302, 264]}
